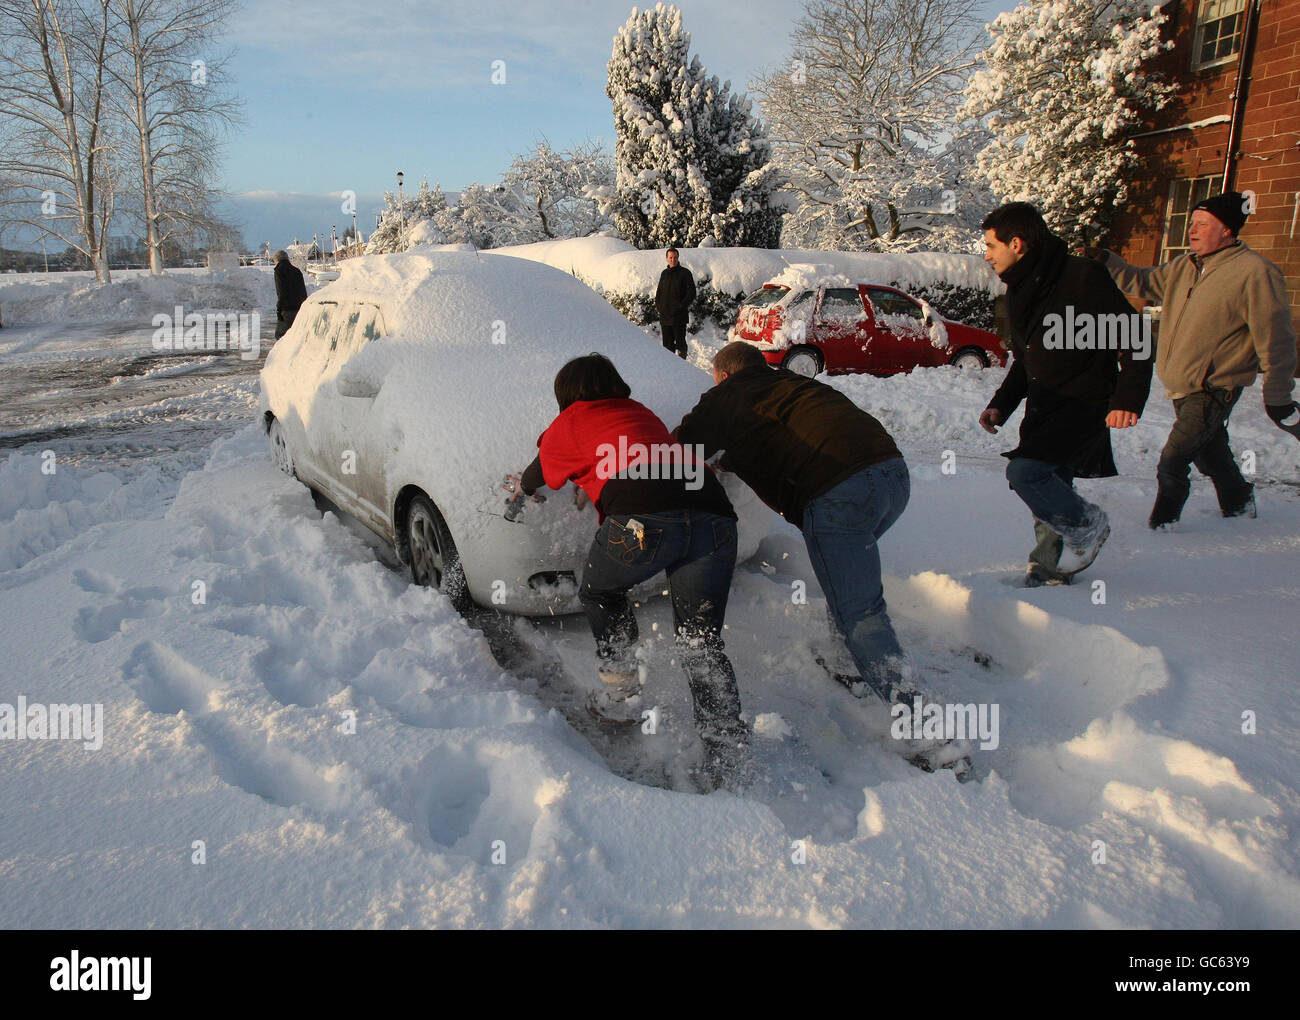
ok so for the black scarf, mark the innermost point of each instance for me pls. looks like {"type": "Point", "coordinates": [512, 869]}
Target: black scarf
{"type": "Point", "coordinates": [1030, 283]}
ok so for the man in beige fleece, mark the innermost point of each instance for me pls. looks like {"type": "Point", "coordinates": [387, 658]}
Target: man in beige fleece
{"type": "Point", "coordinates": [1225, 318]}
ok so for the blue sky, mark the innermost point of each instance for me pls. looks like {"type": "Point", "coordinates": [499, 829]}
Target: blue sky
{"type": "Point", "coordinates": [341, 95]}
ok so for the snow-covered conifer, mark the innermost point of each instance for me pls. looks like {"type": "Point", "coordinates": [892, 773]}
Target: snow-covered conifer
{"type": "Point", "coordinates": [692, 161]}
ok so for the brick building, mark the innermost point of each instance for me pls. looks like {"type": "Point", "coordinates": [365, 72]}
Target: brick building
{"type": "Point", "coordinates": [1236, 114]}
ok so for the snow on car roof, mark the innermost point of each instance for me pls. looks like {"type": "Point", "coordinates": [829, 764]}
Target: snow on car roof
{"type": "Point", "coordinates": [801, 276]}
{"type": "Point", "coordinates": [463, 298]}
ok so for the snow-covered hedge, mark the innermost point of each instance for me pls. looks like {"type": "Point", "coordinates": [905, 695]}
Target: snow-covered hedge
{"type": "Point", "coordinates": [961, 287]}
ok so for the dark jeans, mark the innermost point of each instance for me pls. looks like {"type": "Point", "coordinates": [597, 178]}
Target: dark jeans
{"type": "Point", "coordinates": [283, 320]}
{"type": "Point", "coordinates": [1048, 490]}
{"type": "Point", "coordinates": [1200, 437]}
{"type": "Point", "coordinates": [841, 528]}
{"type": "Point", "coordinates": [674, 336]}
{"type": "Point", "coordinates": [698, 551]}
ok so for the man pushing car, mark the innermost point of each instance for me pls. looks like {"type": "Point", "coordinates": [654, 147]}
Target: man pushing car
{"type": "Point", "coordinates": [829, 468]}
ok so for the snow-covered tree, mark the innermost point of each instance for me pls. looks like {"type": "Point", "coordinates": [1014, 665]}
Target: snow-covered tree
{"type": "Point", "coordinates": [1063, 85]}
{"type": "Point", "coordinates": [398, 217]}
{"type": "Point", "coordinates": [692, 161]}
{"type": "Point", "coordinates": [864, 120]}
{"type": "Point", "coordinates": [551, 192]}
{"type": "Point", "coordinates": [482, 216]}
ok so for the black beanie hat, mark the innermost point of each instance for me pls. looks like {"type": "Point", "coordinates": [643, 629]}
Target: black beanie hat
{"type": "Point", "coordinates": [1228, 208]}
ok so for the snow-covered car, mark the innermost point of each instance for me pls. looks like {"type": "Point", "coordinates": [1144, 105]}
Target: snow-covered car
{"type": "Point", "coordinates": [409, 387]}
{"type": "Point", "coordinates": [810, 322]}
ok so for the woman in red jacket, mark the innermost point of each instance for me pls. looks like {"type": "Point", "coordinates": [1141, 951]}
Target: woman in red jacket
{"type": "Point", "coordinates": [660, 509]}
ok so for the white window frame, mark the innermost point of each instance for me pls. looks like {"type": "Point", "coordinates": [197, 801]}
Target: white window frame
{"type": "Point", "coordinates": [1223, 9]}
{"type": "Point", "coordinates": [1216, 182]}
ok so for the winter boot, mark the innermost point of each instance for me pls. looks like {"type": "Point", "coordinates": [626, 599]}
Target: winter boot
{"type": "Point", "coordinates": [619, 699]}
{"type": "Point", "coordinates": [728, 761]}
{"type": "Point", "coordinates": [1246, 508]}
{"type": "Point", "coordinates": [1165, 512]}
{"type": "Point", "coordinates": [1045, 557]}
{"type": "Point", "coordinates": [1082, 544]}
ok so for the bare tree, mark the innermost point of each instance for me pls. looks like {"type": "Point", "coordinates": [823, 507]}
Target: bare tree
{"type": "Point", "coordinates": [52, 103]}
{"type": "Point", "coordinates": [863, 115]}
{"type": "Point", "coordinates": [177, 106]}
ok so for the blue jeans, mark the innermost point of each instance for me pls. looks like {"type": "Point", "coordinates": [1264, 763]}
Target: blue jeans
{"type": "Point", "coordinates": [1048, 490]}
{"type": "Point", "coordinates": [698, 551]}
{"type": "Point", "coordinates": [841, 528]}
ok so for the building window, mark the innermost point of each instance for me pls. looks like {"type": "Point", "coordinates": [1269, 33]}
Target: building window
{"type": "Point", "coordinates": [1183, 194]}
{"type": "Point", "coordinates": [1219, 26]}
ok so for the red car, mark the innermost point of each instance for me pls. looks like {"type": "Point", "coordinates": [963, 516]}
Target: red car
{"type": "Point", "coordinates": [838, 328]}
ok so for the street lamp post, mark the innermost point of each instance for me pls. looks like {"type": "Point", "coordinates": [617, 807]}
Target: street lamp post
{"type": "Point", "coordinates": [401, 208]}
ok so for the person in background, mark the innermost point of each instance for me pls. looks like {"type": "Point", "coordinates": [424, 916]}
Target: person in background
{"type": "Point", "coordinates": [660, 509]}
{"type": "Point", "coordinates": [673, 299]}
{"type": "Point", "coordinates": [290, 292]}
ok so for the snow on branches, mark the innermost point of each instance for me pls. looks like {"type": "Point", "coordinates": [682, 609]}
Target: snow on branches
{"type": "Point", "coordinates": [864, 120]}
{"type": "Point", "coordinates": [544, 195]}
{"type": "Point", "coordinates": [1063, 84]}
{"type": "Point", "coordinates": [692, 162]}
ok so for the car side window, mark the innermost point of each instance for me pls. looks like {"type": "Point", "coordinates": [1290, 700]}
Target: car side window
{"type": "Point", "coordinates": [342, 344]}
{"type": "Point", "coordinates": [319, 333]}
{"type": "Point", "coordinates": [371, 324]}
{"type": "Point", "coordinates": [346, 324]}
{"type": "Point", "coordinates": [355, 325]}
{"type": "Point", "coordinates": [889, 303]}
{"type": "Point", "coordinates": [841, 304]}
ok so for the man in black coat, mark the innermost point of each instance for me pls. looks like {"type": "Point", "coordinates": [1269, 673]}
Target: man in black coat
{"type": "Point", "coordinates": [673, 300]}
{"type": "Point", "coordinates": [1080, 375]}
{"type": "Point", "coordinates": [290, 292]}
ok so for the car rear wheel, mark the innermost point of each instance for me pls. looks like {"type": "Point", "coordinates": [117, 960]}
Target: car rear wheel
{"type": "Point", "coordinates": [803, 361]}
{"type": "Point", "coordinates": [969, 358]}
{"type": "Point", "coordinates": [434, 560]}
{"type": "Point", "coordinates": [281, 455]}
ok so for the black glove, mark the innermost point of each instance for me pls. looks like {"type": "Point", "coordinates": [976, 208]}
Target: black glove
{"type": "Point", "coordinates": [1286, 417]}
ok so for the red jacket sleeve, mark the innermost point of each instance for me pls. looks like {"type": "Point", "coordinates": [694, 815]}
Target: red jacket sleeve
{"type": "Point", "coordinates": [561, 457]}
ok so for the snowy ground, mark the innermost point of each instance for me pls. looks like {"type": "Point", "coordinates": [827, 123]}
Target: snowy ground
{"type": "Point", "coordinates": [465, 796]}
